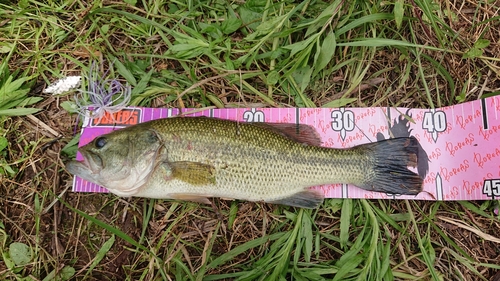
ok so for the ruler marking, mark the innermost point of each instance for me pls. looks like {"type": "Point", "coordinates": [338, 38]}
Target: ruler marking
{"type": "Point", "coordinates": [484, 111]}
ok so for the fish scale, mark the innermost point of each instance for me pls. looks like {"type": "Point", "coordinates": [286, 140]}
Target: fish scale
{"type": "Point", "coordinates": [275, 162]}
{"type": "Point", "coordinates": [197, 157]}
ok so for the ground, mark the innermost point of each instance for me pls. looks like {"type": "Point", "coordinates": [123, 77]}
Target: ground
{"type": "Point", "coordinates": [244, 53]}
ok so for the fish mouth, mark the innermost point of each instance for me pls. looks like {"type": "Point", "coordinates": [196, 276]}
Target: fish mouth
{"type": "Point", "coordinates": [91, 164]}
{"type": "Point", "coordinates": [92, 161]}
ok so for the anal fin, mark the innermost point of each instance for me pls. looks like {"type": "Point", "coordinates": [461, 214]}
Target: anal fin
{"type": "Point", "coordinates": [309, 199]}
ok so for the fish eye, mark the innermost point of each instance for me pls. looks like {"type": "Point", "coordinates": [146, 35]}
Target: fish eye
{"type": "Point", "coordinates": [100, 142]}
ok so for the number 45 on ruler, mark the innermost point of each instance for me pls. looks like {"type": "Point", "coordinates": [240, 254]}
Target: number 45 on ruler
{"type": "Point", "coordinates": [492, 188]}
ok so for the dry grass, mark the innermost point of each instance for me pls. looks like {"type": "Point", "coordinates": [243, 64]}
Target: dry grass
{"type": "Point", "coordinates": [187, 241]}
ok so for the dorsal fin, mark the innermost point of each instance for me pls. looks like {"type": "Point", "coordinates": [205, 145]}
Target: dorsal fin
{"type": "Point", "coordinates": [301, 133]}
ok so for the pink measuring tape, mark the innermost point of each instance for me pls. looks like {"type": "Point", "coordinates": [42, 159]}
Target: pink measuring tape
{"type": "Point", "coordinates": [462, 142]}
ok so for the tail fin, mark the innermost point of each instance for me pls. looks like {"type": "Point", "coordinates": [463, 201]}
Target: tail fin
{"type": "Point", "coordinates": [390, 172]}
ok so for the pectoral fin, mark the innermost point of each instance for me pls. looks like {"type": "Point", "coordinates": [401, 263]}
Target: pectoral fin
{"type": "Point", "coordinates": [192, 172]}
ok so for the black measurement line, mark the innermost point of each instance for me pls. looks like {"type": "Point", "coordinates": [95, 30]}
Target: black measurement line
{"type": "Point", "coordinates": [485, 114]}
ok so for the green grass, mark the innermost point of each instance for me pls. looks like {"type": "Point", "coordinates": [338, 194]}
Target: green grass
{"type": "Point", "coordinates": [198, 54]}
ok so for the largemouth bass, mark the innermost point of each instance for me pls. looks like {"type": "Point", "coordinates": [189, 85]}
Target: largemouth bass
{"type": "Point", "coordinates": [195, 158]}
